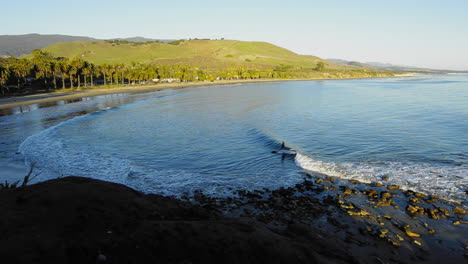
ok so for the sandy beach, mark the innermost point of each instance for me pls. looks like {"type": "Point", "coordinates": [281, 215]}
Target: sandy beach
{"type": "Point", "coordinates": [15, 101]}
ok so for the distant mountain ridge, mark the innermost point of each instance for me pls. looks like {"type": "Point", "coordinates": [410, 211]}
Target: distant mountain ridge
{"type": "Point", "coordinates": [143, 39]}
{"type": "Point", "coordinates": [19, 45]}
{"type": "Point", "coordinates": [391, 67]}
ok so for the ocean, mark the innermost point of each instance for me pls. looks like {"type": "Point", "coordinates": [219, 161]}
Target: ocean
{"type": "Point", "coordinates": [218, 139]}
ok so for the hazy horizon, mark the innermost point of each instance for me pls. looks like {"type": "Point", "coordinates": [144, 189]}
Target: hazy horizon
{"type": "Point", "coordinates": [429, 34]}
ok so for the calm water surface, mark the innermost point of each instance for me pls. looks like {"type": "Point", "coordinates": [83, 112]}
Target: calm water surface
{"type": "Point", "coordinates": [217, 139]}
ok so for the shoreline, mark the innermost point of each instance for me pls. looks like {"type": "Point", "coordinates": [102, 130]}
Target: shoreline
{"type": "Point", "coordinates": [16, 101]}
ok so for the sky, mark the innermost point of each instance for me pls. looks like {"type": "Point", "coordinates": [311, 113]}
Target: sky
{"type": "Point", "coordinates": [423, 33]}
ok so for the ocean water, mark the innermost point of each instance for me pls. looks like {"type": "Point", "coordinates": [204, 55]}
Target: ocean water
{"type": "Point", "coordinates": [218, 139]}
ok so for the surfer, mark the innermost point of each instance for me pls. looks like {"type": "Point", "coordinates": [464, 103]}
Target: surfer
{"type": "Point", "coordinates": [285, 151]}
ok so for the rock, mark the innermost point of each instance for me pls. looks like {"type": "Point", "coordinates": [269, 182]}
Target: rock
{"type": "Point", "coordinates": [459, 211]}
{"type": "Point", "coordinates": [101, 258]}
{"type": "Point", "coordinates": [420, 195]}
{"type": "Point", "coordinates": [431, 231]}
{"type": "Point", "coordinates": [318, 181]}
{"type": "Point", "coordinates": [371, 193]}
{"type": "Point", "coordinates": [385, 178]}
{"type": "Point", "coordinates": [377, 184]}
{"type": "Point", "coordinates": [388, 217]}
{"type": "Point", "coordinates": [361, 213]}
{"type": "Point", "coordinates": [417, 242]}
{"type": "Point", "coordinates": [414, 200]}
{"type": "Point", "coordinates": [385, 195]}
{"type": "Point", "coordinates": [344, 206]}
{"type": "Point", "coordinates": [411, 233]}
{"type": "Point", "coordinates": [384, 203]}
{"type": "Point", "coordinates": [456, 223]}
{"type": "Point", "coordinates": [413, 209]}
{"type": "Point", "coordinates": [433, 214]}
{"type": "Point", "coordinates": [354, 182]}
{"type": "Point", "coordinates": [347, 191]}
{"type": "Point", "coordinates": [393, 187]}
{"type": "Point", "coordinates": [444, 212]}
{"type": "Point", "coordinates": [396, 244]}
{"type": "Point", "coordinates": [400, 238]}
{"type": "Point", "coordinates": [329, 179]}
{"type": "Point", "coordinates": [383, 232]}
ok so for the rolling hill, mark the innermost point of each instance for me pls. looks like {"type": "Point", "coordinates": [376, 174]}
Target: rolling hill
{"type": "Point", "coordinates": [209, 54]}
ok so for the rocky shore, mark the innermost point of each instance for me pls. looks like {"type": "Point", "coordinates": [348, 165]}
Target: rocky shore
{"type": "Point", "coordinates": [321, 220]}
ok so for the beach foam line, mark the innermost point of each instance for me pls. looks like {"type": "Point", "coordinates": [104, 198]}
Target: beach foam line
{"type": "Point", "coordinates": [447, 181]}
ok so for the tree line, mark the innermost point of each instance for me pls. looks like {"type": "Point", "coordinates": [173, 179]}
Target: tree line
{"type": "Point", "coordinates": [42, 71]}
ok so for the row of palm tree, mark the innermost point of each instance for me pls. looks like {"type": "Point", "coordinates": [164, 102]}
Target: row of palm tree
{"type": "Point", "coordinates": [77, 73]}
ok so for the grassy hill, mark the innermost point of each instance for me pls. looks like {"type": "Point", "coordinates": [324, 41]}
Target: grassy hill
{"type": "Point", "coordinates": [209, 54]}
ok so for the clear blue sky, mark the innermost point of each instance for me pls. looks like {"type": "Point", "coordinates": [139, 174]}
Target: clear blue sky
{"type": "Point", "coordinates": [424, 33]}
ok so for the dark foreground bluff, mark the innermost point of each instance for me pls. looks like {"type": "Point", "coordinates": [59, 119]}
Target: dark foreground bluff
{"type": "Point", "coordinates": [81, 220]}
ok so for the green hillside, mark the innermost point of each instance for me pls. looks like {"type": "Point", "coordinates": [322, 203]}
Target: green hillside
{"type": "Point", "coordinates": [209, 54]}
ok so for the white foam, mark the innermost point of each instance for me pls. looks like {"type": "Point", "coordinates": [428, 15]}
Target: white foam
{"type": "Point", "coordinates": [330, 169]}
{"type": "Point", "coordinates": [445, 181]}
{"type": "Point", "coordinates": [55, 157]}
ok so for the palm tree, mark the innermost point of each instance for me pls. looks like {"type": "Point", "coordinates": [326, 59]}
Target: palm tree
{"type": "Point", "coordinates": [77, 65]}
{"type": "Point", "coordinates": [120, 72]}
{"type": "Point", "coordinates": [43, 70]}
{"type": "Point", "coordinates": [4, 75]}
{"type": "Point", "coordinates": [95, 71]}
{"type": "Point", "coordinates": [115, 73]}
{"type": "Point", "coordinates": [111, 71]}
{"type": "Point", "coordinates": [86, 71]}
{"type": "Point", "coordinates": [21, 68]}
{"type": "Point", "coordinates": [104, 70]}
{"type": "Point", "coordinates": [42, 61]}
{"type": "Point", "coordinates": [65, 69]}
{"type": "Point", "coordinates": [72, 71]}
{"type": "Point", "coordinates": [56, 66]}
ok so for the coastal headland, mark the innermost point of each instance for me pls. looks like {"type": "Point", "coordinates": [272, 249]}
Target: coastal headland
{"type": "Point", "coordinates": [82, 220]}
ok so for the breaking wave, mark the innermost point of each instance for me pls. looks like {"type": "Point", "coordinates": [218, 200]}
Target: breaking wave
{"type": "Point", "coordinates": [54, 157]}
{"type": "Point", "coordinates": [449, 182]}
